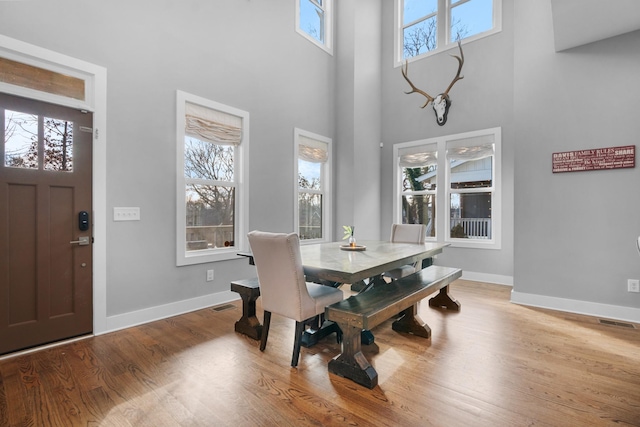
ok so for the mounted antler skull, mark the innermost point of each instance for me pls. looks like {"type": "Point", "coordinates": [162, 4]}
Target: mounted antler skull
{"type": "Point", "coordinates": [441, 103]}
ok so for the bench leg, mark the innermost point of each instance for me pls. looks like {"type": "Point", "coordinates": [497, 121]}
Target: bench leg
{"type": "Point", "coordinates": [249, 323]}
{"type": "Point", "coordinates": [351, 363]}
{"type": "Point", "coordinates": [410, 323]}
{"type": "Point", "coordinates": [444, 300]}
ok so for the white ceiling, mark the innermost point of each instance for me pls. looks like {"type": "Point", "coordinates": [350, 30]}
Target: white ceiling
{"type": "Point", "coordinates": [578, 22]}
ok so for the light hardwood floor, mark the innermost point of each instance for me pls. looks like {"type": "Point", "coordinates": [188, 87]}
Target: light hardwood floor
{"type": "Point", "coordinates": [492, 364]}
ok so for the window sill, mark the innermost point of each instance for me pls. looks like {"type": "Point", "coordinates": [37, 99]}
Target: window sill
{"type": "Point", "coordinates": [473, 244]}
{"type": "Point", "coordinates": [208, 255]}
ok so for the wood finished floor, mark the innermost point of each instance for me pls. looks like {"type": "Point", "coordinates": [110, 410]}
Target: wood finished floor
{"type": "Point", "coordinates": [492, 364]}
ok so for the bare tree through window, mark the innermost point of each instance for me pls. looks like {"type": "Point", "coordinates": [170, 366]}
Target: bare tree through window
{"type": "Point", "coordinates": [22, 142]}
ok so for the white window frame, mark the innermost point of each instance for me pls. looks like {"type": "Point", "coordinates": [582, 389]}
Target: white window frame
{"type": "Point", "coordinates": [425, 147]}
{"type": "Point", "coordinates": [443, 189]}
{"type": "Point", "coordinates": [327, 46]}
{"type": "Point", "coordinates": [443, 15]}
{"type": "Point", "coordinates": [327, 197]}
{"type": "Point", "coordinates": [241, 177]}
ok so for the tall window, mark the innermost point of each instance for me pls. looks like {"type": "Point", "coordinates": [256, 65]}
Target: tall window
{"type": "Point", "coordinates": [313, 172]}
{"type": "Point", "coordinates": [462, 172]}
{"type": "Point", "coordinates": [470, 187]}
{"type": "Point", "coordinates": [426, 26]}
{"type": "Point", "coordinates": [314, 21]}
{"type": "Point", "coordinates": [212, 200]}
{"type": "Point", "coordinates": [419, 168]}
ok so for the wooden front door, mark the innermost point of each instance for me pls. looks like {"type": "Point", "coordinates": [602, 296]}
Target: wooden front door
{"type": "Point", "coordinates": [45, 235]}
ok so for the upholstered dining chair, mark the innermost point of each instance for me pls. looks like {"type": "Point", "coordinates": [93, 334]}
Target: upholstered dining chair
{"type": "Point", "coordinates": [406, 233]}
{"type": "Point", "coordinates": [283, 288]}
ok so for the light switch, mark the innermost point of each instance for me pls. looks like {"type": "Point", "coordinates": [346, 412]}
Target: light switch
{"type": "Point", "coordinates": [126, 214]}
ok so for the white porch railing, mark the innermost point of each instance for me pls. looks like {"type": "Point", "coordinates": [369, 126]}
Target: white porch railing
{"type": "Point", "coordinates": [474, 228]}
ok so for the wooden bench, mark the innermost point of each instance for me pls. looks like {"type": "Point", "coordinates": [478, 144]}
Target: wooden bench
{"type": "Point", "coordinates": [249, 290]}
{"type": "Point", "coordinates": [372, 307]}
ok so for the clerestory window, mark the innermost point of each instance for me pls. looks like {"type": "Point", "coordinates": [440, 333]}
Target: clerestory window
{"type": "Point", "coordinates": [314, 21]}
{"type": "Point", "coordinates": [427, 26]}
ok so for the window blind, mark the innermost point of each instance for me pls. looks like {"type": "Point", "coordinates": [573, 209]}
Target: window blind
{"type": "Point", "coordinates": [312, 150]}
{"type": "Point", "coordinates": [211, 125]}
{"type": "Point", "coordinates": [418, 156]}
{"type": "Point", "coordinates": [474, 148]}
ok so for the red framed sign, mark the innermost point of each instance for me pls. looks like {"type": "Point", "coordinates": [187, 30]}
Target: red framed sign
{"type": "Point", "coordinates": [595, 159]}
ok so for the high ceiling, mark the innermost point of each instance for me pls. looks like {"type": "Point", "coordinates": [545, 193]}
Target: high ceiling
{"type": "Point", "coordinates": [578, 22]}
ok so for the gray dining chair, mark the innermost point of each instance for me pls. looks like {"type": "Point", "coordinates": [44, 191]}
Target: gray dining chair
{"type": "Point", "coordinates": [283, 288]}
{"type": "Point", "coordinates": [406, 233]}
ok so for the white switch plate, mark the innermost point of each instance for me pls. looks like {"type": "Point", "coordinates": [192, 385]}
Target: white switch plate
{"type": "Point", "coordinates": [126, 214]}
{"type": "Point", "coordinates": [209, 275]}
{"type": "Point", "coordinates": [633, 285]}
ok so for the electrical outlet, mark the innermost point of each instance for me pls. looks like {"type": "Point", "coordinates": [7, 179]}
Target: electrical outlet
{"type": "Point", "coordinates": [633, 285]}
{"type": "Point", "coordinates": [209, 275]}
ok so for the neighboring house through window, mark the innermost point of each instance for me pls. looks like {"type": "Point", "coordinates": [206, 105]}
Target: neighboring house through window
{"type": "Point", "coordinates": [313, 189]}
{"type": "Point", "coordinates": [452, 184]}
{"type": "Point", "coordinates": [212, 148]}
{"type": "Point", "coordinates": [426, 26]}
{"type": "Point", "coordinates": [314, 21]}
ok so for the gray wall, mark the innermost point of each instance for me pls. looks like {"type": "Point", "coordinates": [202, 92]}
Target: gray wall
{"type": "Point", "coordinates": [575, 232]}
{"type": "Point", "coordinates": [242, 53]}
{"type": "Point", "coordinates": [483, 99]}
{"type": "Point", "coordinates": [357, 112]}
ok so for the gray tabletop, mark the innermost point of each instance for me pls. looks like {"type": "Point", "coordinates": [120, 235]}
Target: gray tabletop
{"type": "Point", "coordinates": [328, 261]}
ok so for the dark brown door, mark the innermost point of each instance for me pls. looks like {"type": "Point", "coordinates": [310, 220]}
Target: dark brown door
{"type": "Point", "coordinates": [45, 241]}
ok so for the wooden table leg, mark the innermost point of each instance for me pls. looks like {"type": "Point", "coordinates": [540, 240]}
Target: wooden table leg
{"type": "Point", "coordinates": [444, 300]}
{"type": "Point", "coordinates": [310, 337]}
{"type": "Point", "coordinates": [410, 323]}
{"type": "Point", "coordinates": [366, 337]}
{"type": "Point", "coordinates": [351, 363]}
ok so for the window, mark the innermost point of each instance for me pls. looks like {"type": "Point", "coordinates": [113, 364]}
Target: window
{"type": "Point", "coordinates": [426, 26]}
{"type": "Point", "coordinates": [313, 195]}
{"type": "Point", "coordinates": [212, 148]}
{"type": "Point", "coordinates": [27, 135]}
{"type": "Point", "coordinates": [462, 173]}
{"type": "Point", "coordinates": [36, 78]}
{"type": "Point", "coordinates": [419, 166]}
{"type": "Point", "coordinates": [314, 21]}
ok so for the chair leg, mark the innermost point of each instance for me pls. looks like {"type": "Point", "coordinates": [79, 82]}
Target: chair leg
{"type": "Point", "coordinates": [316, 322]}
{"type": "Point", "coordinates": [265, 330]}
{"type": "Point", "coordinates": [296, 343]}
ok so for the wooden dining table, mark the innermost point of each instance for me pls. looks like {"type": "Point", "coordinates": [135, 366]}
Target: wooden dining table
{"type": "Point", "coordinates": [362, 267]}
{"type": "Point", "coordinates": [331, 262]}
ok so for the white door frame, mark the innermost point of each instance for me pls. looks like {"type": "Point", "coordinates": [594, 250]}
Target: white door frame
{"type": "Point", "coordinates": [96, 101]}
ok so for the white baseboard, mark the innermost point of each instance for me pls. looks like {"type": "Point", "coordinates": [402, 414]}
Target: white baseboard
{"type": "Point", "coordinates": [488, 278]}
{"type": "Point", "coordinates": [139, 317]}
{"type": "Point", "coordinates": [616, 312]}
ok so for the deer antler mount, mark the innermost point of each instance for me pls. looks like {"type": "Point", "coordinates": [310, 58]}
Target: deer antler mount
{"type": "Point", "coordinates": [442, 102]}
